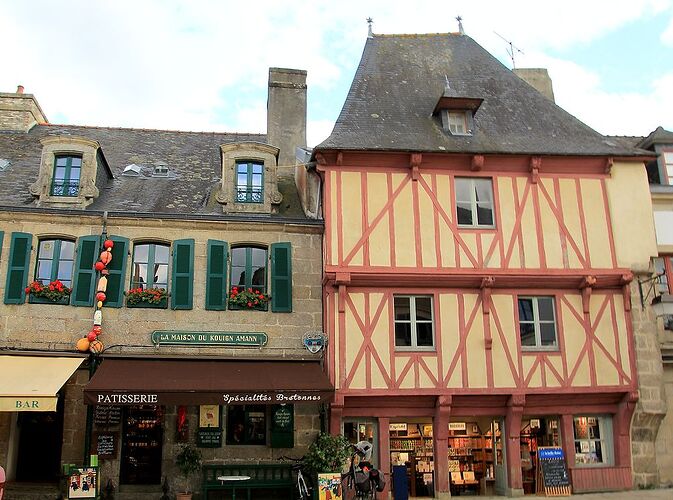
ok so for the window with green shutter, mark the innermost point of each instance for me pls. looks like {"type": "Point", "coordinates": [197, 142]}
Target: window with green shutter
{"type": "Point", "coordinates": [216, 275]}
{"type": "Point", "coordinates": [85, 275]}
{"type": "Point", "coordinates": [281, 277]}
{"type": "Point", "coordinates": [17, 268]}
{"type": "Point", "coordinates": [117, 272]}
{"type": "Point", "coordinates": [183, 274]}
{"type": "Point", "coordinates": [2, 236]}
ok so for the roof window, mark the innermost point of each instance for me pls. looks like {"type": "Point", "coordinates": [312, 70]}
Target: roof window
{"type": "Point", "coordinates": [456, 111]}
{"type": "Point", "coordinates": [132, 170]}
{"type": "Point", "coordinates": [160, 170]}
{"type": "Point", "coordinates": [4, 164]}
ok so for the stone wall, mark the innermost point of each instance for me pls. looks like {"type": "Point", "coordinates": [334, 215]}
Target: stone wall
{"type": "Point", "coordinates": [651, 407]}
{"type": "Point", "coordinates": [19, 112]}
{"type": "Point", "coordinates": [665, 437]}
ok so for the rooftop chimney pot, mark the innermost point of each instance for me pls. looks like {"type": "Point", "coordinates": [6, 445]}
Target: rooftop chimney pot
{"type": "Point", "coordinates": [19, 89]}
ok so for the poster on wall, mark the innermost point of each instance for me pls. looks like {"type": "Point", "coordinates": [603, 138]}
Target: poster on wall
{"type": "Point", "coordinates": [83, 483]}
{"type": "Point", "coordinates": [209, 416]}
{"type": "Point", "coordinates": [329, 486]}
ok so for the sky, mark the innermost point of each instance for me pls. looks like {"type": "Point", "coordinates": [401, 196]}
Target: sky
{"type": "Point", "coordinates": [203, 65]}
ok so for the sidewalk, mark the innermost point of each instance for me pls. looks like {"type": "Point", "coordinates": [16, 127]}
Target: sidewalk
{"type": "Point", "coordinates": [659, 494]}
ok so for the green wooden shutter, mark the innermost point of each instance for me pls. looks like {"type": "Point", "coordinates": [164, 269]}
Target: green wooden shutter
{"type": "Point", "coordinates": [216, 275]}
{"type": "Point", "coordinates": [281, 277]}
{"type": "Point", "coordinates": [2, 236]}
{"type": "Point", "coordinates": [17, 268]}
{"type": "Point", "coordinates": [282, 426]}
{"type": "Point", "coordinates": [116, 280]}
{"type": "Point", "coordinates": [85, 275]}
{"type": "Point", "coordinates": [183, 274]}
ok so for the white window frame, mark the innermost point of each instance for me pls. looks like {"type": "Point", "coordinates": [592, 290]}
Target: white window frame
{"type": "Point", "coordinates": [606, 440]}
{"type": "Point", "coordinates": [473, 203]}
{"type": "Point", "coordinates": [412, 321]}
{"type": "Point", "coordinates": [456, 120]}
{"type": "Point", "coordinates": [667, 158]}
{"type": "Point", "coordinates": [536, 323]}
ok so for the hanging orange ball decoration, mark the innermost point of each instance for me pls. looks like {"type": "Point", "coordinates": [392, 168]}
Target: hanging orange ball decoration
{"type": "Point", "coordinates": [83, 344]}
{"type": "Point", "coordinates": [96, 347]}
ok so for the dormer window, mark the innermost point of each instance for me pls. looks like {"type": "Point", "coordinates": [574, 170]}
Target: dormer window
{"type": "Point", "coordinates": [67, 172]}
{"type": "Point", "coordinates": [457, 122]}
{"type": "Point", "coordinates": [249, 182]}
{"type": "Point", "coordinates": [160, 170]}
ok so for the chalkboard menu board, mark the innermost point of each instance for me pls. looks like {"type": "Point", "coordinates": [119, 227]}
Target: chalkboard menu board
{"type": "Point", "coordinates": [105, 444]}
{"type": "Point", "coordinates": [207, 437]}
{"type": "Point", "coordinates": [553, 474]}
{"type": "Point", "coordinates": [107, 415]}
{"type": "Point", "coordinates": [282, 426]}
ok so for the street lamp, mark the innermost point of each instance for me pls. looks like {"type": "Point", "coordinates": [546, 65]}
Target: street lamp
{"type": "Point", "coordinates": [662, 304]}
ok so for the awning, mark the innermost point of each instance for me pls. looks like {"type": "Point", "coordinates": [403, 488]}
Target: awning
{"type": "Point", "coordinates": [200, 382]}
{"type": "Point", "coordinates": [30, 383]}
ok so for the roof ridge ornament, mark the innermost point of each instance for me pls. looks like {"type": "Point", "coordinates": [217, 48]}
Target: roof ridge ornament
{"type": "Point", "coordinates": [370, 21]}
{"type": "Point", "coordinates": [460, 24]}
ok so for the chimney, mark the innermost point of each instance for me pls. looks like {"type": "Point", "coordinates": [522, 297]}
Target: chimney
{"type": "Point", "coordinates": [538, 78]}
{"type": "Point", "coordinates": [286, 114]}
{"type": "Point", "coordinates": [19, 112]}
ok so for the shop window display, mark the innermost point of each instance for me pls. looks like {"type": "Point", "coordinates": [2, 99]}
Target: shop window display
{"type": "Point", "coordinates": [592, 440]}
{"type": "Point", "coordinates": [246, 425]}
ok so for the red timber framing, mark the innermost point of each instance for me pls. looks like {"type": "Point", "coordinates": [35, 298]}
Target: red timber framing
{"type": "Point", "coordinates": [391, 228]}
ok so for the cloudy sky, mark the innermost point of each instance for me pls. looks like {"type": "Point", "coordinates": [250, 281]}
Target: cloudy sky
{"type": "Point", "coordinates": [203, 65]}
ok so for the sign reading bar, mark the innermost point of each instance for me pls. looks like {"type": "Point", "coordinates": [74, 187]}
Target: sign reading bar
{"type": "Point", "coordinates": [238, 339]}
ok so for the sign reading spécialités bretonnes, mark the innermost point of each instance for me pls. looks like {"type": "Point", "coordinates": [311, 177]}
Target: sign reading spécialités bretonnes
{"type": "Point", "coordinates": [261, 397]}
{"type": "Point", "coordinates": [238, 339]}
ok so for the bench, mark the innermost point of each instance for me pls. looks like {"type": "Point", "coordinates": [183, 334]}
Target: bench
{"type": "Point", "coordinates": [275, 480]}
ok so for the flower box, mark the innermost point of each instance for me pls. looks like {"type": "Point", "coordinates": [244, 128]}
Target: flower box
{"type": "Point", "coordinates": [242, 299]}
{"type": "Point", "coordinates": [148, 298]}
{"type": "Point", "coordinates": [32, 299]}
{"type": "Point", "coordinates": [53, 293]}
{"type": "Point", "coordinates": [162, 304]}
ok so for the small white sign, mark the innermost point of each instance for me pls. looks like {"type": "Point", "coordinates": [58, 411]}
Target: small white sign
{"type": "Point", "coordinates": [457, 426]}
{"type": "Point", "coordinates": [398, 427]}
{"type": "Point", "coordinates": [534, 423]}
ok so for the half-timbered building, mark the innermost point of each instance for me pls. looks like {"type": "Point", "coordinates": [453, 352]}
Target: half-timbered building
{"type": "Point", "coordinates": [479, 252]}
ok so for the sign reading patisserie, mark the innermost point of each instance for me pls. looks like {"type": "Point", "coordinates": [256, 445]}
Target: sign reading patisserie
{"type": "Point", "coordinates": [238, 339]}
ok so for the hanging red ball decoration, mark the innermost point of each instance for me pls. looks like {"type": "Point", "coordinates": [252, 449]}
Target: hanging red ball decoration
{"type": "Point", "coordinates": [91, 336]}
{"type": "Point", "coordinates": [99, 266]}
{"type": "Point", "coordinates": [108, 244]}
{"type": "Point", "coordinates": [97, 329]}
{"type": "Point", "coordinates": [100, 296]}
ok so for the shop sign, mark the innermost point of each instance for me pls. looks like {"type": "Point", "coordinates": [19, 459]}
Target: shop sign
{"type": "Point", "coordinates": [209, 438]}
{"type": "Point", "coordinates": [238, 339]}
{"type": "Point", "coordinates": [457, 426]}
{"type": "Point", "coordinates": [28, 404]}
{"type": "Point", "coordinates": [83, 483]}
{"type": "Point", "coordinates": [398, 427]}
{"type": "Point", "coordinates": [104, 444]}
{"type": "Point", "coordinates": [314, 342]}
{"type": "Point", "coordinates": [107, 415]}
{"type": "Point", "coordinates": [270, 398]}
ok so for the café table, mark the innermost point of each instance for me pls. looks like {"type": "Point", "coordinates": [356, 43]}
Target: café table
{"type": "Point", "coordinates": [232, 479]}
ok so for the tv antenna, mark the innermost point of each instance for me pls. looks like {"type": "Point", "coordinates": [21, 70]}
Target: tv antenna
{"type": "Point", "coordinates": [512, 49]}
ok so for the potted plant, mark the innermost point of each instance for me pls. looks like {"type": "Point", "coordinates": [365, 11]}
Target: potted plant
{"type": "Point", "coordinates": [147, 297]}
{"type": "Point", "coordinates": [54, 293]}
{"type": "Point", "coordinates": [188, 461]}
{"type": "Point", "coordinates": [247, 298]}
{"type": "Point", "coordinates": [326, 457]}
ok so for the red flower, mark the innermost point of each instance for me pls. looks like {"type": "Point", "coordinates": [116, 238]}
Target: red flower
{"type": "Point", "coordinates": [250, 290]}
{"type": "Point", "coordinates": [249, 304]}
{"type": "Point", "coordinates": [27, 289]}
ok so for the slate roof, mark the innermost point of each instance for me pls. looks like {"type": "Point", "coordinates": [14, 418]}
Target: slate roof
{"type": "Point", "coordinates": [401, 77]}
{"type": "Point", "coordinates": [193, 159]}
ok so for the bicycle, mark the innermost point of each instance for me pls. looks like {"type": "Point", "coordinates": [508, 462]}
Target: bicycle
{"type": "Point", "coordinates": [303, 490]}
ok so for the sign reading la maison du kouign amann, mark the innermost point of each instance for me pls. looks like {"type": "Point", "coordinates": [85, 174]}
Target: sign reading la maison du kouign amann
{"type": "Point", "coordinates": [238, 339]}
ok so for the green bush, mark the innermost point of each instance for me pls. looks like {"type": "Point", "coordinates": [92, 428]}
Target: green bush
{"type": "Point", "coordinates": [328, 453]}
{"type": "Point", "coordinates": [188, 461]}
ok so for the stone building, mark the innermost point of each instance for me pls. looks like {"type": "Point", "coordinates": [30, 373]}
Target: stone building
{"type": "Point", "coordinates": [214, 280]}
{"type": "Point", "coordinates": [481, 245]}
